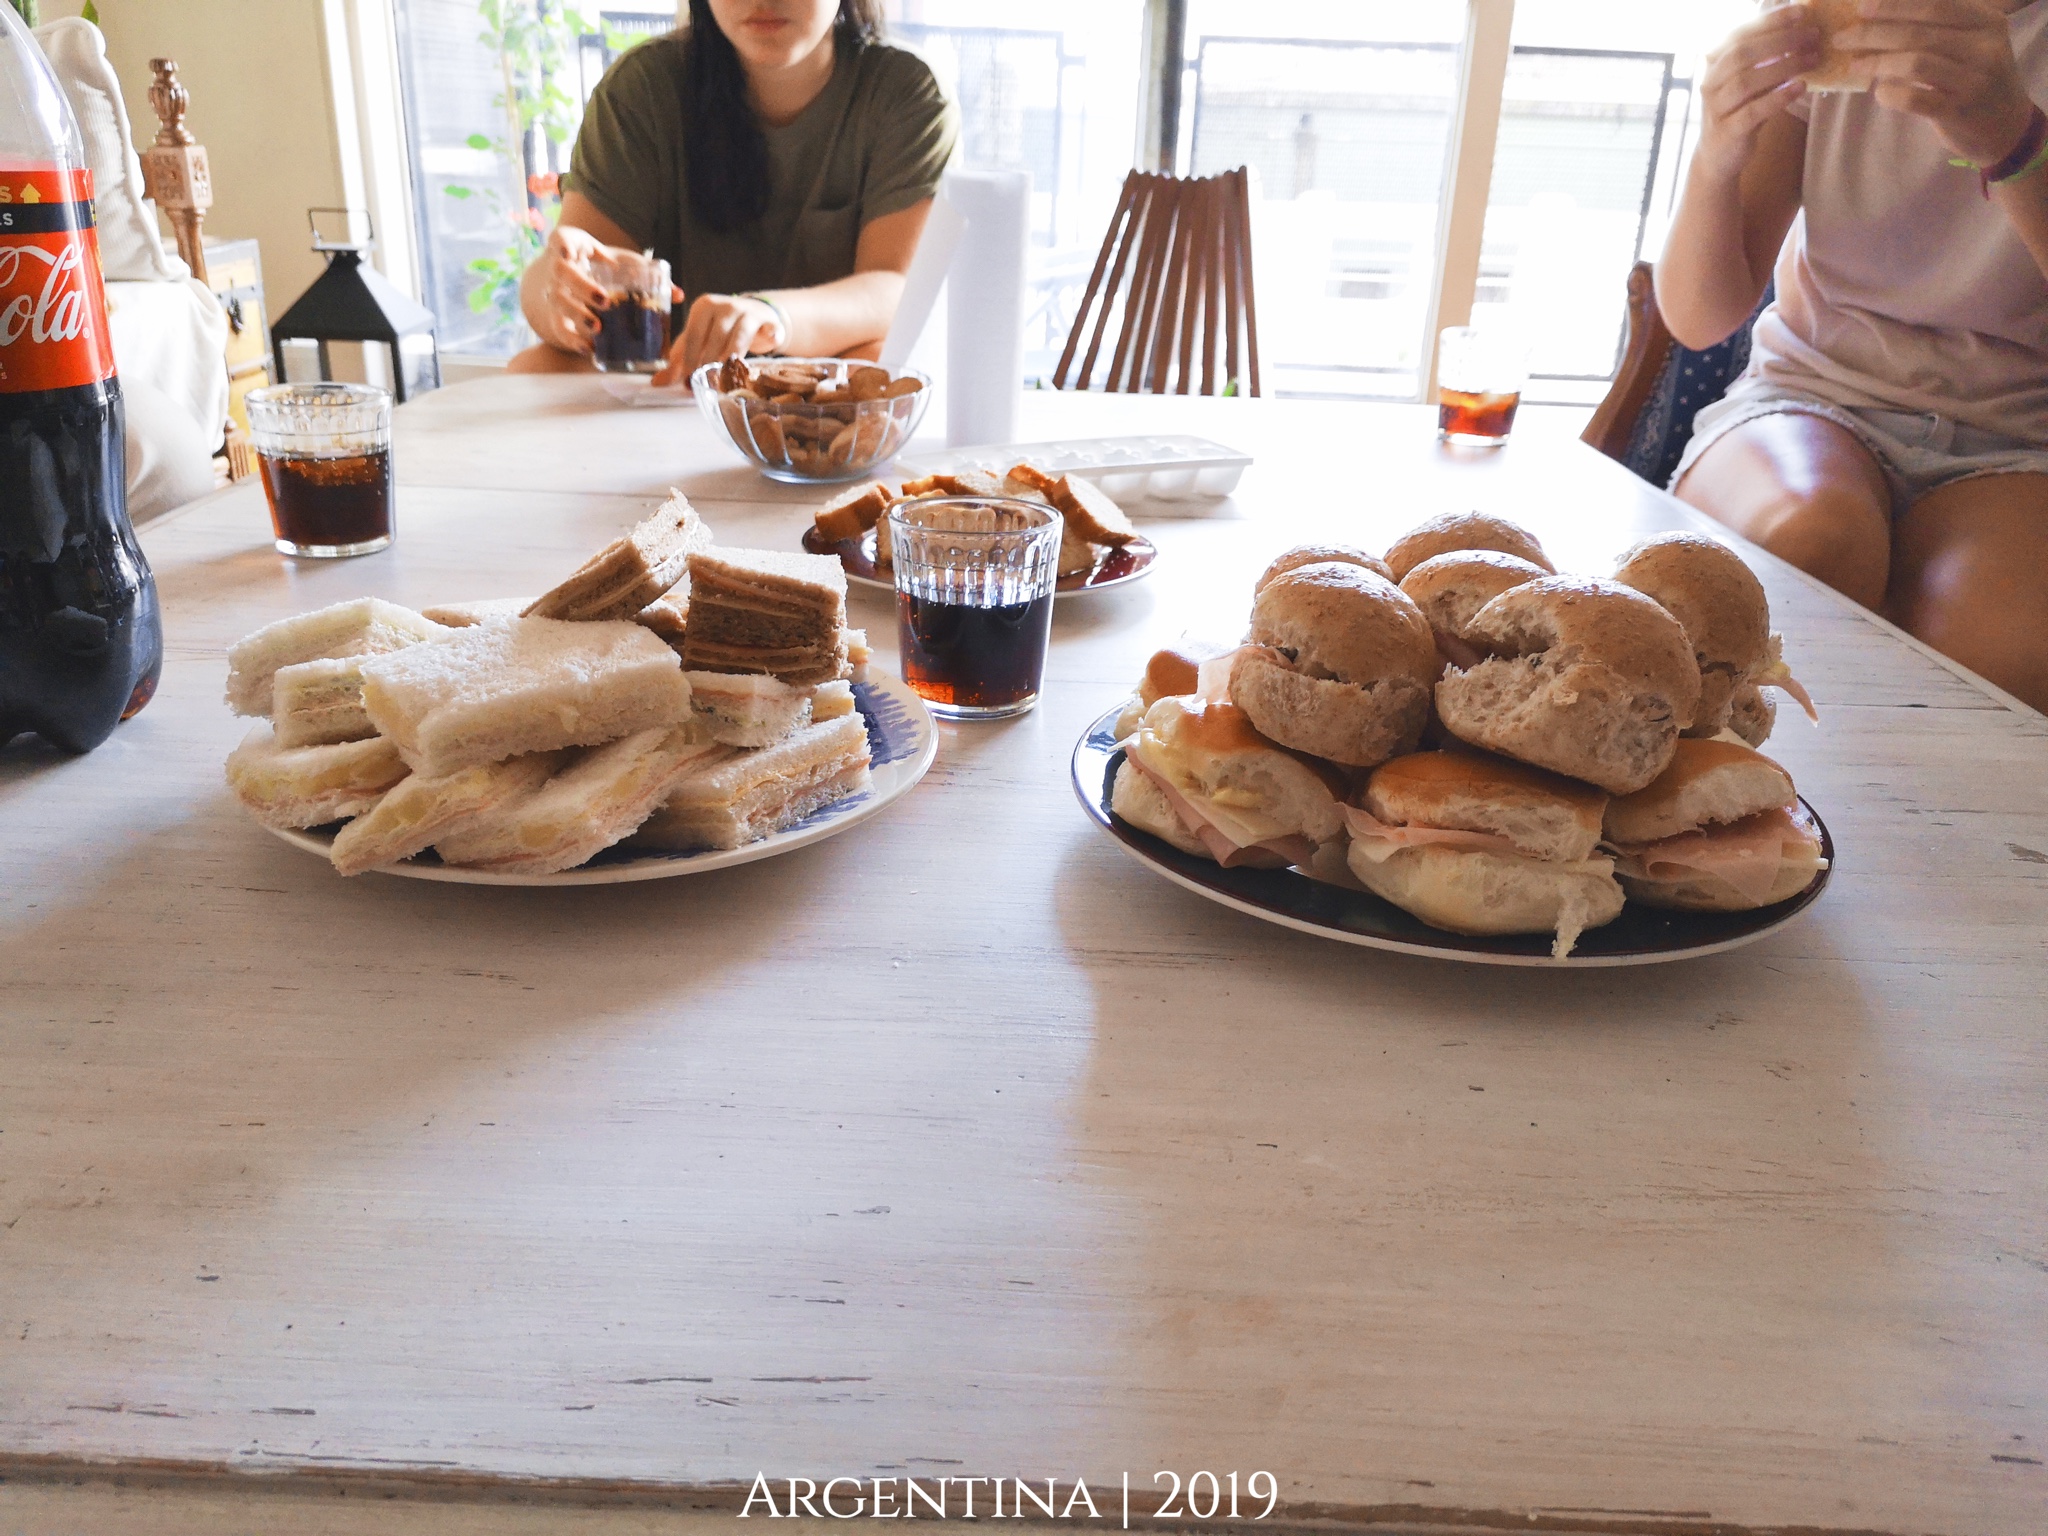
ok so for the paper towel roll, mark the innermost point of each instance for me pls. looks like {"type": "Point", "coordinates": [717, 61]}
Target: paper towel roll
{"type": "Point", "coordinates": [985, 305]}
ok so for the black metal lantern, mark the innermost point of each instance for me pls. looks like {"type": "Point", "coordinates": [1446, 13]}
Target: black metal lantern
{"type": "Point", "coordinates": [354, 302]}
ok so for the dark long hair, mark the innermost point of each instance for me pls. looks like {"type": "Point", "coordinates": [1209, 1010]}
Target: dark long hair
{"type": "Point", "coordinates": [725, 154]}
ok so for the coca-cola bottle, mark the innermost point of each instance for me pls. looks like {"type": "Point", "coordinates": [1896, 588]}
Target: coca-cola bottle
{"type": "Point", "coordinates": [80, 640]}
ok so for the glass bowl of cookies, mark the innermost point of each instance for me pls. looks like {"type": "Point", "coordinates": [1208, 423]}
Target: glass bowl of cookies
{"type": "Point", "coordinates": [812, 420]}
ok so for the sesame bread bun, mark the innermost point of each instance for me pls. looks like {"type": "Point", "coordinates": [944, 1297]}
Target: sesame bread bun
{"type": "Point", "coordinates": [1339, 665]}
{"type": "Point", "coordinates": [1587, 678]}
{"type": "Point", "coordinates": [1450, 589]}
{"type": "Point", "coordinates": [1705, 585]}
{"type": "Point", "coordinates": [1708, 782]}
{"type": "Point", "coordinates": [1544, 815]}
{"type": "Point", "coordinates": [1319, 554]}
{"type": "Point", "coordinates": [1463, 530]}
{"type": "Point", "coordinates": [1752, 714]}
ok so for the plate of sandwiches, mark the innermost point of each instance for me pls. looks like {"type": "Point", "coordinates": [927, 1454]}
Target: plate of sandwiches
{"type": "Point", "coordinates": [1099, 547]}
{"type": "Point", "coordinates": [1456, 752]}
{"type": "Point", "coordinates": [673, 707]}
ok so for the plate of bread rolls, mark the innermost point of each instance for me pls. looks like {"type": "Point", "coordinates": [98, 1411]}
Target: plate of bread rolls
{"type": "Point", "coordinates": [1100, 548]}
{"type": "Point", "coordinates": [1454, 750]}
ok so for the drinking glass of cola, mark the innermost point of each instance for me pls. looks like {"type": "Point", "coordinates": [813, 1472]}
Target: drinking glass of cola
{"type": "Point", "coordinates": [1479, 376]}
{"type": "Point", "coordinates": [974, 581]}
{"type": "Point", "coordinates": [325, 452]}
{"type": "Point", "coordinates": [632, 327]}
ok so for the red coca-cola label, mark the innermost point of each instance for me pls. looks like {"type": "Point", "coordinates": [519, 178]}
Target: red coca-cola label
{"type": "Point", "coordinates": [53, 296]}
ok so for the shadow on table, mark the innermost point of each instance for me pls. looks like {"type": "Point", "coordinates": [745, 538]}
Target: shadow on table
{"type": "Point", "coordinates": [1468, 1230]}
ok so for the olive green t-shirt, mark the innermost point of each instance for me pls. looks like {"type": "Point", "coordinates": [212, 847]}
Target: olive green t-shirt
{"type": "Point", "coordinates": [874, 142]}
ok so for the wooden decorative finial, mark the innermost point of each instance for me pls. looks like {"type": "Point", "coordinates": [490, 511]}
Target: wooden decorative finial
{"type": "Point", "coordinates": [174, 170]}
{"type": "Point", "coordinates": [168, 95]}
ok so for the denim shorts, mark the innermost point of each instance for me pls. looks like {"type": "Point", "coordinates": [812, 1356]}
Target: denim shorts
{"type": "Point", "coordinates": [1918, 450]}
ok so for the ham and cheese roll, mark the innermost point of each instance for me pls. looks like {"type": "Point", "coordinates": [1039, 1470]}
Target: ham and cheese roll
{"type": "Point", "coordinates": [1198, 775]}
{"type": "Point", "coordinates": [1474, 843]}
{"type": "Point", "coordinates": [1720, 830]}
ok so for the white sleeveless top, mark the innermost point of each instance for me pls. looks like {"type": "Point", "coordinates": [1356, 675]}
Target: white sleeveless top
{"type": "Point", "coordinates": [1900, 287]}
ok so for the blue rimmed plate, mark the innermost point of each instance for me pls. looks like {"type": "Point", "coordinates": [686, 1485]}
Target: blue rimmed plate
{"type": "Point", "coordinates": [902, 741]}
{"type": "Point", "coordinates": [1640, 936]}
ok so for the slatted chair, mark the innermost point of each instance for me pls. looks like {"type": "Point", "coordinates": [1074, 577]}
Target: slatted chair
{"type": "Point", "coordinates": [1176, 264]}
{"type": "Point", "coordinates": [1645, 421]}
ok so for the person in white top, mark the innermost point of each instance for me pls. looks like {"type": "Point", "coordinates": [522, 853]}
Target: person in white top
{"type": "Point", "coordinates": [1891, 433]}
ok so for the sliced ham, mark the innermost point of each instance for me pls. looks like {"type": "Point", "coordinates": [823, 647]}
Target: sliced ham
{"type": "Point", "coordinates": [1747, 854]}
{"type": "Point", "coordinates": [1775, 674]}
{"type": "Point", "coordinates": [1229, 841]}
{"type": "Point", "coordinates": [1380, 840]}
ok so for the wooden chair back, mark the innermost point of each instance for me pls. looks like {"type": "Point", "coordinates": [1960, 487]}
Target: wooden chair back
{"type": "Point", "coordinates": [1644, 351]}
{"type": "Point", "coordinates": [1176, 265]}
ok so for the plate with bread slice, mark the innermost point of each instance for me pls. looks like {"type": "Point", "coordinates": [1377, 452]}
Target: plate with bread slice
{"type": "Point", "coordinates": [1455, 751]}
{"type": "Point", "coordinates": [1099, 548]}
{"type": "Point", "coordinates": [672, 707]}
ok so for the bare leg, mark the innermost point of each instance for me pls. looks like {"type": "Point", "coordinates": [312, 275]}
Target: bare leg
{"type": "Point", "coordinates": [1806, 490]}
{"type": "Point", "coordinates": [542, 358]}
{"type": "Point", "coordinates": [1970, 577]}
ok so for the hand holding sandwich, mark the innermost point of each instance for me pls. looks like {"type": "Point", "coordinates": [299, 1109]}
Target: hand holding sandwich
{"type": "Point", "coordinates": [1750, 79]}
{"type": "Point", "coordinates": [1949, 61]}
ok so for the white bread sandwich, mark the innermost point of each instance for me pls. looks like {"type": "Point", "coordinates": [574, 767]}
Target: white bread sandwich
{"type": "Point", "coordinates": [418, 810]}
{"type": "Point", "coordinates": [631, 571]}
{"type": "Point", "coordinates": [668, 616]}
{"type": "Point", "coordinates": [760, 610]}
{"type": "Point", "coordinates": [1587, 678]}
{"type": "Point", "coordinates": [1720, 830]}
{"type": "Point", "coordinates": [526, 685]}
{"type": "Point", "coordinates": [482, 610]}
{"type": "Point", "coordinates": [1320, 554]}
{"type": "Point", "coordinates": [1198, 775]}
{"type": "Point", "coordinates": [314, 702]}
{"type": "Point", "coordinates": [1464, 530]}
{"type": "Point", "coordinates": [1450, 589]}
{"type": "Point", "coordinates": [1338, 663]}
{"type": "Point", "coordinates": [730, 801]}
{"type": "Point", "coordinates": [745, 709]}
{"type": "Point", "coordinates": [366, 626]}
{"type": "Point", "coordinates": [311, 786]}
{"type": "Point", "coordinates": [1477, 844]}
{"type": "Point", "coordinates": [831, 700]}
{"type": "Point", "coordinates": [598, 800]}
{"type": "Point", "coordinates": [1172, 671]}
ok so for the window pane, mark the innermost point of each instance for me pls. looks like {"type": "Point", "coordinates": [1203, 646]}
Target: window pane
{"type": "Point", "coordinates": [1052, 89]}
{"type": "Point", "coordinates": [1343, 111]}
{"type": "Point", "coordinates": [1597, 117]}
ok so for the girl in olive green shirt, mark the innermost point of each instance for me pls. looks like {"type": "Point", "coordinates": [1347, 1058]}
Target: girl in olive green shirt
{"type": "Point", "coordinates": [778, 156]}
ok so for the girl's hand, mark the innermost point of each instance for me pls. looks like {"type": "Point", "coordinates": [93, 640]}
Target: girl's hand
{"type": "Point", "coordinates": [1949, 61]}
{"type": "Point", "coordinates": [719, 325]}
{"type": "Point", "coordinates": [1750, 79]}
{"type": "Point", "coordinates": [572, 297]}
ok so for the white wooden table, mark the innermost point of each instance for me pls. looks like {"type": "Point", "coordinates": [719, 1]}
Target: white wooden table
{"type": "Point", "coordinates": [961, 1145]}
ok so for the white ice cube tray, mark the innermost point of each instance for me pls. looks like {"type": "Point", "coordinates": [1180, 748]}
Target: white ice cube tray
{"type": "Point", "coordinates": [1174, 467]}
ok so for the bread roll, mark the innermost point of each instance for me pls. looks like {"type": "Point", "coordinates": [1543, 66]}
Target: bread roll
{"type": "Point", "coordinates": [1486, 893]}
{"type": "Point", "coordinates": [1319, 554]}
{"type": "Point", "coordinates": [1707, 782]}
{"type": "Point", "coordinates": [1463, 530]}
{"type": "Point", "coordinates": [1543, 814]}
{"type": "Point", "coordinates": [1705, 585]}
{"type": "Point", "coordinates": [1450, 589]}
{"type": "Point", "coordinates": [1588, 678]}
{"type": "Point", "coordinates": [1752, 714]}
{"type": "Point", "coordinates": [1838, 70]}
{"type": "Point", "coordinates": [1340, 665]}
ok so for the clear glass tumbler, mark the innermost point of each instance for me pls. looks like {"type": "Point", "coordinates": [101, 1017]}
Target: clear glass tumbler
{"type": "Point", "coordinates": [632, 328]}
{"type": "Point", "coordinates": [325, 452]}
{"type": "Point", "coordinates": [1479, 378]}
{"type": "Point", "coordinates": [974, 583]}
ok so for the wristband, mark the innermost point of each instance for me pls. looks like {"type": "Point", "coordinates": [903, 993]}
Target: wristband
{"type": "Point", "coordinates": [781, 320]}
{"type": "Point", "coordinates": [2023, 159]}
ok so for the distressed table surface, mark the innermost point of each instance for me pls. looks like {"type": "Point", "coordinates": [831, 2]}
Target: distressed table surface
{"type": "Point", "coordinates": [961, 1144]}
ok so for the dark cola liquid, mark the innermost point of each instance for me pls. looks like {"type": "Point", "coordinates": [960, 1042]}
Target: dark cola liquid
{"type": "Point", "coordinates": [974, 658]}
{"type": "Point", "coordinates": [630, 336]}
{"type": "Point", "coordinates": [330, 505]}
{"type": "Point", "coordinates": [81, 643]}
{"type": "Point", "coordinates": [1460, 414]}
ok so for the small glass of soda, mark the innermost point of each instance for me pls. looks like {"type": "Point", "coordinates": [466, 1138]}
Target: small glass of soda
{"type": "Point", "coordinates": [974, 582]}
{"type": "Point", "coordinates": [1479, 376]}
{"type": "Point", "coordinates": [632, 325]}
{"type": "Point", "coordinates": [325, 453]}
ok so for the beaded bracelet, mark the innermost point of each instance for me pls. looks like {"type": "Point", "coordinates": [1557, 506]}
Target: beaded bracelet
{"type": "Point", "coordinates": [2025, 157]}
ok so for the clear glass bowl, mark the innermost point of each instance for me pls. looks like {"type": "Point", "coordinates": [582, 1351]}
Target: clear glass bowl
{"type": "Point", "coordinates": [809, 442]}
